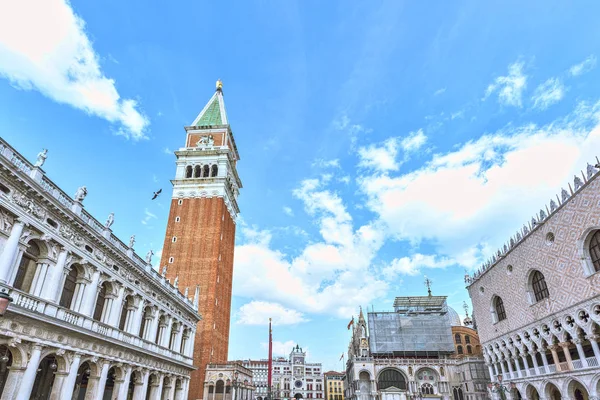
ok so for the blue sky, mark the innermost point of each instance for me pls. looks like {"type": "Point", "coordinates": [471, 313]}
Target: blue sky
{"type": "Point", "coordinates": [379, 141]}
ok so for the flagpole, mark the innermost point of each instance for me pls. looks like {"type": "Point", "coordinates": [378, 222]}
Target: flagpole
{"type": "Point", "coordinates": [270, 373]}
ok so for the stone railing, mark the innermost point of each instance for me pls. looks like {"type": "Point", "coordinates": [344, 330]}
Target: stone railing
{"type": "Point", "coordinates": [49, 187]}
{"type": "Point", "coordinates": [24, 301]}
{"type": "Point", "coordinates": [590, 362]}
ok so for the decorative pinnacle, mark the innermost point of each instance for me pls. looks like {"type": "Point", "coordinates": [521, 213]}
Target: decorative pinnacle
{"type": "Point", "coordinates": [219, 85]}
{"type": "Point", "coordinates": [466, 307]}
{"type": "Point", "coordinates": [428, 283]}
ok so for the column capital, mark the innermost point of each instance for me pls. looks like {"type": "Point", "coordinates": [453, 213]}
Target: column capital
{"type": "Point", "coordinates": [564, 344]}
{"type": "Point", "coordinates": [593, 337]}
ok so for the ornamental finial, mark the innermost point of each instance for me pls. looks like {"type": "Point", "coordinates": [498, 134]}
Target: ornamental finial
{"type": "Point", "coordinates": [219, 85]}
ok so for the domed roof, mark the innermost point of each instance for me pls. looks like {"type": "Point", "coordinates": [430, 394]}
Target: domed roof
{"type": "Point", "coordinates": [454, 318]}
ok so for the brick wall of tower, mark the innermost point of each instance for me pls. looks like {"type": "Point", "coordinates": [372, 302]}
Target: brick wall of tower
{"type": "Point", "coordinates": [203, 255]}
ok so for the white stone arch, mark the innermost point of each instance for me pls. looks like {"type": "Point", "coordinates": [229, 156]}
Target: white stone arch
{"type": "Point", "coordinates": [528, 389]}
{"type": "Point", "coordinates": [547, 387]}
{"type": "Point", "coordinates": [570, 384]}
{"type": "Point", "coordinates": [62, 363]}
{"type": "Point", "coordinates": [583, 244]}
{"type": "Point", "coordinates": [595, 384]}
{"type": "Point", "coordinates": [493, 304]}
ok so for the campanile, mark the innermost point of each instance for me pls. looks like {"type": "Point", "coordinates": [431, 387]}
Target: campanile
{"type": "Point", "coordinates": [200, 237]}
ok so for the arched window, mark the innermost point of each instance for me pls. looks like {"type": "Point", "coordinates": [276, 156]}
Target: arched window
{"type": "Point", "coordinates": [499, 309]}
{"type": "Point", "coordinates": [188, 171]}
{"type": "Point", "coordinates": [539, 287]}
{"type": "Point", "coordinates": [469, 350]}
{"type": "Point", "coordinates": [69, 288]}
{"type": "Point", "coordinates": [145, 320]}
{"type": "Point", "coordinates": [467, 339]}
{"type": "Point", "coordinates": [27, 268]}
{"type": "Point", "coordinates": [124, 311]}
{"type": "Point", "coordinates": [426, 388]}
{"type": "Point", "coordinates": [594, 249]}
{"type": "Point", "coordinates": [459, 349]}
{"type": "Point", "coordinates": [457, 339]}
{"type": "Point", "coordinates": [197, 171]}
{"type": "Point", "coordinates": [458, 393]}
{"type": "Point", "coordinates": [214, 170]}
{"type": "Point", "coordinates": [391, 377]}
{"type": "Point", "coordinates": [206, 171]}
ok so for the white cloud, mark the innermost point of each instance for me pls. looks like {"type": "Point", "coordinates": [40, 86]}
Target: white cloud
{"type": "Point", "coordinates": [48, 50]}
{"type": "Point", "coordinates": [328, 276]}
{"type": "Point", "coordinates": [381, 158]}
{"type": "Point", "coordinates": [320, 163]}
{"type": "Point", "coordinates": [280, 348]}
{"type": "Point", "coordinates": [288, 211]}
{"type": "Point", "coordinates": [412, 265]}
{"type": "Point", "coordinates": [414, 141]}
{"type": "Point", "coordinates": [147, 216]}
{"type": "Point", "coordinates": [548, 93]}
{"type": "Point", "coordinates": [259, 312]}
{"type": "Point", "coordinates": [458, 114]}
{"type": "Point", "coordinates": [168, 151]}
{"type": "Point", "coordinates": [470, 200]}
{"type": "Point", "coordinates": [439, 91]}
{"type": "Point", "coordinates": [585, 66]}
{"type": "Point", "coordinates": [509, 88]}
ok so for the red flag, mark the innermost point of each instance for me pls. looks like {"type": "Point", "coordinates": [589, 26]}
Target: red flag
{"type": "Point", "coordinates": [351, 323]}
{"type": "Point", "coordinates": [269, 374]}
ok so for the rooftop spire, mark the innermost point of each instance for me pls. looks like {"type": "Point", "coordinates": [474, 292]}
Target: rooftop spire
{"type": "Point", "coordinates": [213, 113]}
{"type": "Point", "coordinates": [428, 283]}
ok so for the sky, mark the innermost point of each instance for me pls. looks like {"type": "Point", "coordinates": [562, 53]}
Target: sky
{"type": "Point", "coordinates": [380, 142]}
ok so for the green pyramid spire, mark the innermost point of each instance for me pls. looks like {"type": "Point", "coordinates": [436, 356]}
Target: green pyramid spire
{"type": "Point", "coordinates": [214, 112]}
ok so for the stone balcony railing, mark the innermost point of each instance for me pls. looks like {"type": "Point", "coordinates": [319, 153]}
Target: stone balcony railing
{"type": "Point", "coordinates": [49, 187]}
{"type": "Point", "coordinates": [24, 303]}
{"type": "Point", "coordinates": [541, 371]}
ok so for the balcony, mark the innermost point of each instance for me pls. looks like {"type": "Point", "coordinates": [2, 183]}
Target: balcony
{"type": "Point", "coordinates": [26, 304]}
{"type": "Point", "coordinates": [590, 363]}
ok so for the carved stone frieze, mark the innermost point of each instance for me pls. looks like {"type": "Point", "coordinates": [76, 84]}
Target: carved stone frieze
{"type": "Point", "coordinates": [28, 205]}
{"type": "Point", "coordinates": [69, 234]}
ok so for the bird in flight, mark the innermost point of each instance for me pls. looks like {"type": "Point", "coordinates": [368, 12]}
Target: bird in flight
{"type": "Point", "coordinates": [156, 194]}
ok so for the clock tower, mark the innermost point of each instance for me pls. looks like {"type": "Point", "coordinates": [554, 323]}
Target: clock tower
{"type": "Point", "coordinates": [200, 236]}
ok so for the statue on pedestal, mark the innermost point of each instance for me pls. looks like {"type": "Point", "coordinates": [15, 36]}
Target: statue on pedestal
{"type": "Point", "coordinates": [41, 158]}
{"type": "Point", "coordinates": [110, 220]}
{"type": "Point", "coordinates": [149, 255]}
{"type": "Point", "coordinates": [80, 194]}
{"type": "Point", "coordinates": [131, 241]}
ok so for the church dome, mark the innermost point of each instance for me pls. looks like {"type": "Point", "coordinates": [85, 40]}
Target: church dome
{"type": "Point", "coordinates": [454, 318]}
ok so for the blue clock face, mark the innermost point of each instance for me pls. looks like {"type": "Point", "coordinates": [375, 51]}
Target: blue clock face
{"type": "Point", "coordinates": [298, 384]}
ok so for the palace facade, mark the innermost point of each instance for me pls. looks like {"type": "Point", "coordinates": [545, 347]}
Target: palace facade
{"type": "Point", "coordinates": [537, 301]}
{"type": "Point", "coordinates": [89, 318]}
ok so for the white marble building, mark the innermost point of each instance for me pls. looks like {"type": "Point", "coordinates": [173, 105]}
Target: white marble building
{"type": "Point", "coordinates": [90, 319]}
{"type": "Point", "coordinates": [229, 381]}
{"type": "Point", "coordinates": [537, 301]}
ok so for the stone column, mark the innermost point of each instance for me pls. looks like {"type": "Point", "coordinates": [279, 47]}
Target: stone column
{"type": "Point", "coordinates": [503, 367]}
{"type": "Point", "coordinates": [141, 386]}
{"type": "Point", "coordinates": [153, 328]}
{"type": "Point", "coordinates": [54, 278]}
{"type": "Point", "coordinates": [170, 395]}
{"type": "Point", "coordinates": [134, 329]}
{"type": "Point", "coordinates": [545, 360]}
{"type": "Point", "coordinates": [69, 383]}
{"type": "Point", "coordinates": [115, 313]}
{"type": "Point", "coordinates": [99, 395]}
{"type": "Point", "coordinates": [123, 387]}
{"type": "Point", "coordinates": [510, 367]}
{"type": "Point", "coordinates": [555, 356]}
{"type": "Point", "coordinates": [11, 247]}
{"type": "Point", "coordinates": [567, 353]}
{"type": "Point", "coordinates": [30, 373]}
{"type": "Point", "coordinates": [525, 364]}
{"type": "Point", "coordinates": [178, 336]}
{"type": "Point", "coordinates": [186, 388]}
{"type": "Point", "coordinates": [593, 341]}
{"type": "Point", "coordinates": [13, 382]}
{"type": "Point", "coordinates": [39, 278]}
{"type": "Point", "coordinates": [577, 342]}
{"type": "Point", "coordinates": [91, 295]}
{"type": "Point", "coordinates": [495, 365]}
{"type": "Point", "coordinates": [166, 336]}
{"type": "Point", "coordinates": [491, 371]}
{"type": "Point", "coordinates": [535, 363]}
{"type": "Point", "coordinates": [157, 392]}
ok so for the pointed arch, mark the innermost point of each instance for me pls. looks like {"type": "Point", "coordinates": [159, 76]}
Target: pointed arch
{"type": "Point", "coordinates": [188, 171]}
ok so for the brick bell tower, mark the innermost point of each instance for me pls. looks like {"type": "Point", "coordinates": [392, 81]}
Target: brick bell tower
{"type": "Point", "coordinates": [200, 235]}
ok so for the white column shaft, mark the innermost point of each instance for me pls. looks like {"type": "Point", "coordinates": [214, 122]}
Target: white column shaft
{"type": "Point", "coordinates": [69, 383]}
{"type": "Point", "coordinates": [11, 247]}
{"type": "Point", "coordinates": [102, 382]}
{"type": "Point", "coordinates": [117, 306]}
{"type": "Point", "coordinates": [124, 387]}
{"type": "Point", "coordinates": [54, 277]}
{"type": "Point", "coordinates": [89, 300]}
{"type": "Point", "coordinates": [30, 373]}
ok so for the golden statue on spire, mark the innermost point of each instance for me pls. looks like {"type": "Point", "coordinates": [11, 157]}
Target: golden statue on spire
{"type": "Point", "coordinates": [219, 84]}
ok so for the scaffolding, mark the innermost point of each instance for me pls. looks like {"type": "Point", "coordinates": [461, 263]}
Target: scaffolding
{"type": "Point", "coordinates": [419, 327]}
